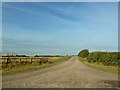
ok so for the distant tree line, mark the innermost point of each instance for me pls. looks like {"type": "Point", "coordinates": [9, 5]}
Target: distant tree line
{"type": "Point", "coordinates": [106, 58]}
{"type": "Point", "coordinates": [47, 56]}
{"type": "Point", "coordinates": [14, 56]}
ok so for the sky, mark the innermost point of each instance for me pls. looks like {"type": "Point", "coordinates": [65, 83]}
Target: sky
{"type": "Point", "coordinates": [57, 28]}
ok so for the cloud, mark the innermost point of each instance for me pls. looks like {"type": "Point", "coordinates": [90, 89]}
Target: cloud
{"type": "Point", "coordinates": [51, 12]}
{"type": "Point", "coordinates": [26, 47]}
{"type": "Point", "coordinates": [49, 28]}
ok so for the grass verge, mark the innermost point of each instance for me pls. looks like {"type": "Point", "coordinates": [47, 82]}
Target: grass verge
{"type": "Point", "coordinates": [112, 69]}
{"type": "Point", "coordinates": [31, 67]}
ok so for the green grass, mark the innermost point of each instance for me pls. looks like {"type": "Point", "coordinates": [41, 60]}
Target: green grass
{"type": "Point", "coordinates": [31, 67]}
{"type": "Point", "coordinates": [112, 69]}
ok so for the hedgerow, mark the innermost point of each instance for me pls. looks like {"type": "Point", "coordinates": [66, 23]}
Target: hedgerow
{"type": "Point", "coordinates": [106, 58]}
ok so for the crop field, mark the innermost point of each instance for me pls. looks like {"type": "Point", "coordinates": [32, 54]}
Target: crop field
{"type": "Point", "coordinates": [17, 61]}
{"type": "Point", "coordinates": [106, 58]}
{"type": "Point", "coordinates": [106, 61]}
{"type": "Point", "coordinates": [12, 65]}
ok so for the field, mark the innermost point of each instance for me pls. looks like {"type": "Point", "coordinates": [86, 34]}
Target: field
{"type": "Point", "coordinates": [106, 61]}
{"type": "Point", "coordinates": [106, 58]}
{"type": "Point", "coordinates": [99, 66]}
{"type": "Point", "coordinates": [71, 73]}
{"type": "Point", "coordinates": [12, 65]}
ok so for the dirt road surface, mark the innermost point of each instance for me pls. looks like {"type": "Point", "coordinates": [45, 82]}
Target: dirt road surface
{"type": "Point", "coordinates": [68, 74]}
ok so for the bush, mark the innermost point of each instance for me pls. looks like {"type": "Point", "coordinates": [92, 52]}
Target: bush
{"type": "Point", "coordinates": [106, 58]}
{"type": "Point", "coordinates": [36, 56]}
{"type": "Point", "coordinates": [84, 53]}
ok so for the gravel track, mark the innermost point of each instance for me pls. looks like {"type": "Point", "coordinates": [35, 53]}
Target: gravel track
{"type": "Point", "coordinates": [69, 74]}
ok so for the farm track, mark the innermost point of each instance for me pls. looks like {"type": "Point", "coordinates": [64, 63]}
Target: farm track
{"type": "Point", "coordinates": [68, 74]}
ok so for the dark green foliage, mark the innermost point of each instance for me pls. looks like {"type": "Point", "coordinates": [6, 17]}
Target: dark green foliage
{"type": "Point", "coordinates": [106, 58]}
{"type": "Point", "coordinates": [21, 56]}
{"type": "Point", "coordinates": [47, 56]}
{"type": "Point", "coordinates": [84, 53]}
{"type": "Point", "coordinates": [36, 56]}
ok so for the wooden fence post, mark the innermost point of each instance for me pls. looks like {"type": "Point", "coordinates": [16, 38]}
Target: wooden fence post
{"type": "Point", "coordinates": [8, 60]}
{"type": "Point", "coordinates": [31, 60]}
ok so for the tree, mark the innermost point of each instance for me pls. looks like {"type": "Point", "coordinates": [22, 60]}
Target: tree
{"type": "Point", "coordinates": [36, 56]}
{"type": "Point", "coordinates": [84, 53]}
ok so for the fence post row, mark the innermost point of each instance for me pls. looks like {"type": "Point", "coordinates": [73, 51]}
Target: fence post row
{"type": "Point", "coordinates": [25, 60]}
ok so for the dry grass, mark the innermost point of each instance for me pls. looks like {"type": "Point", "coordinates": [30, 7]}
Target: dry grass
{"type": "Point", "coordinates": [30, 67]}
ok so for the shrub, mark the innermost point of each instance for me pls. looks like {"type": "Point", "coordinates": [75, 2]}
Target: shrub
{"type": "Point", "coordinates": [106, 58]}
{"type": "Point", "coordinates": [84, 53]}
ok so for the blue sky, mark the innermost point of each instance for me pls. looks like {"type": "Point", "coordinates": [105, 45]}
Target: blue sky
{"type": "Point", "coordinates": [59, 28]}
